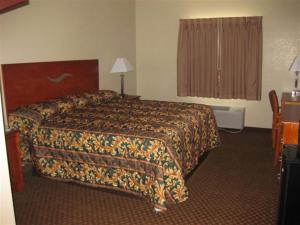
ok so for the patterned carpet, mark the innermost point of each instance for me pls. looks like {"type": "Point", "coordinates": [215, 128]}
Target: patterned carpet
{"type": "Point", "coordinates": [235, 185]}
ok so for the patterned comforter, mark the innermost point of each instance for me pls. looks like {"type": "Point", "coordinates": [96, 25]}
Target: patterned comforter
{"type": "Point", "coordinates": [142, 147]}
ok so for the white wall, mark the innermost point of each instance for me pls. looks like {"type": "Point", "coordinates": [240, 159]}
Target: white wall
{"type": "Point", "coordinates": [48, 30]}
{"type": "Point", "coordinates": [157, 24]}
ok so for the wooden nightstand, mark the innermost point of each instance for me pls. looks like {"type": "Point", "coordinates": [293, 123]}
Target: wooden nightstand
{"type": "Point", "coordinates": [12, 138]}
{"type": "Point", "coordinates": [131, 97]}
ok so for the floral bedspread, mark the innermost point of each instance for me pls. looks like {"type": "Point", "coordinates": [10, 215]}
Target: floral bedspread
{"type": "Point", "coordinates": [142, 147]}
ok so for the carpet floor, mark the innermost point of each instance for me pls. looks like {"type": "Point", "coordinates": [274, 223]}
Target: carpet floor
{"type": "Point", "coordinates": [236, 184]}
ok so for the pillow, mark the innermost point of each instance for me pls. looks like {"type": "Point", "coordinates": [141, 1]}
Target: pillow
{"type": "Point", "coordinates": [100, 96]}
{"type": "Point", "coordinates": [109, 94]}
{"type": "Point", "coordinates": [43, 109]}
{"type": "Point", "coordinates": [40, 111]}
{"type": "Point", "coordinates": [78, 100]}
{"type": "Point", "coordinates": [63, 104]}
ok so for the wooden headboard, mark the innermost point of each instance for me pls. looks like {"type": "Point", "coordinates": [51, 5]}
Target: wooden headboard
{"type": "Point", "coordinates": [27, 83]}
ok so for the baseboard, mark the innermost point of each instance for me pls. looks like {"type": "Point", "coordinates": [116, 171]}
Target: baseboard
{"type": "Point", "coordinates": [247, 129]}
{"type": "Point", "coordinates": [258, 129]}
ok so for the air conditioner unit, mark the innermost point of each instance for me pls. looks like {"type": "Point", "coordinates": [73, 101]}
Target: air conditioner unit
{"type": "Point", "coordinates": [229, 117]}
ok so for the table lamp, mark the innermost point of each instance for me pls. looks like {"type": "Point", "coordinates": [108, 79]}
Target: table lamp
{"type": "Point", "coordinates": [296, 68]}
{"type": "Point", "coordinates": [121, 66]}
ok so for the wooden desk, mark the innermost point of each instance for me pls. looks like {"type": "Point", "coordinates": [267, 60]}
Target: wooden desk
{"type": "Point", "coordinates": [288, 99]}
{"type": "Point", "coordinates": [290, 117]}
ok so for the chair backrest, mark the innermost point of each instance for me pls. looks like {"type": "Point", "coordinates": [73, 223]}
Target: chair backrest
{"type": "Point", "coordinates": [274, 102]}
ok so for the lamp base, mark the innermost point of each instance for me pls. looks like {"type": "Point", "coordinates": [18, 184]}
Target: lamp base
{"type": "Point", "coordinates": [122, 86]}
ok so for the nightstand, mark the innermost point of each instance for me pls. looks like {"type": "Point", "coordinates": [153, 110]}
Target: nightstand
{"type": "Point", "coordinates": [12, 138]}
{"type": "Point", "coordinates": [131, 97]}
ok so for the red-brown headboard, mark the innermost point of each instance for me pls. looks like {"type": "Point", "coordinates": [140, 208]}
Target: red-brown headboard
{"type": "Point", "coordinates": [27, 83]}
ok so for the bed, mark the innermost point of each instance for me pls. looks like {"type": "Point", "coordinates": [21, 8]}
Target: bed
{"type": "Point", "coordinates": [72, 131]}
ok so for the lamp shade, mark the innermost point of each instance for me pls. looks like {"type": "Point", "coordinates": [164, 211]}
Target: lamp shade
{"type": "Point", "coordinates": [296, 64]}
{"type": "Point", "coordinates": [121, 66]}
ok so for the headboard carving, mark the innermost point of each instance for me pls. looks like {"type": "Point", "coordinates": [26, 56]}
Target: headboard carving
{"type": "Point", "coordinates": [27, 83]}
{"type": "Point", "coordinates": [59, 78]}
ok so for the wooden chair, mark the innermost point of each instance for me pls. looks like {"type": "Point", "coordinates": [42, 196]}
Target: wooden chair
{"type": "Point", "coordinates": [276, 125]}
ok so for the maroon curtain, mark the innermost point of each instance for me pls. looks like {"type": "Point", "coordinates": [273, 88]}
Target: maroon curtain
{"type": "Point", "coordinates": [197, 58]}
{"type": "Point", "coordinates": [241, 58]}
{"type": "Point", "coordinates": [220, 58]}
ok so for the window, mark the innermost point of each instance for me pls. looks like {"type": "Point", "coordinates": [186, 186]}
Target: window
{"type": "Point", "coordinates": [220, 58]}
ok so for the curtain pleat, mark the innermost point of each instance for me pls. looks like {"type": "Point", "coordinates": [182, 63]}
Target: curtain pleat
{"type": "Point", "coordinates": [241, 58]}
{"type": "Point", "coordinates": [220, 58]}
{"type": "Point", "coordinates": [254, 59]}
{"type": "Point", "coordinates": [197, 58]}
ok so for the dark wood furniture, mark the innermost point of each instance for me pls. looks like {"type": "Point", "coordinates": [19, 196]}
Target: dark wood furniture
{"type": "Point", "coordinates": [131, 97]}
{"type": "Point", "coordinates": [6, 5]}
{"type": "Point", "coordinates": [290, 117]}
{"type": "Point", "coordinates": [289, 206]}
{"type": "Point", "coordinates": [27, 83]}
{"type": "Point", "coordinates": [288, 99]}
{"type": "Point", "coordinates": [12, 139]}
{"type": "Point", "coordinates": [285, 125]}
